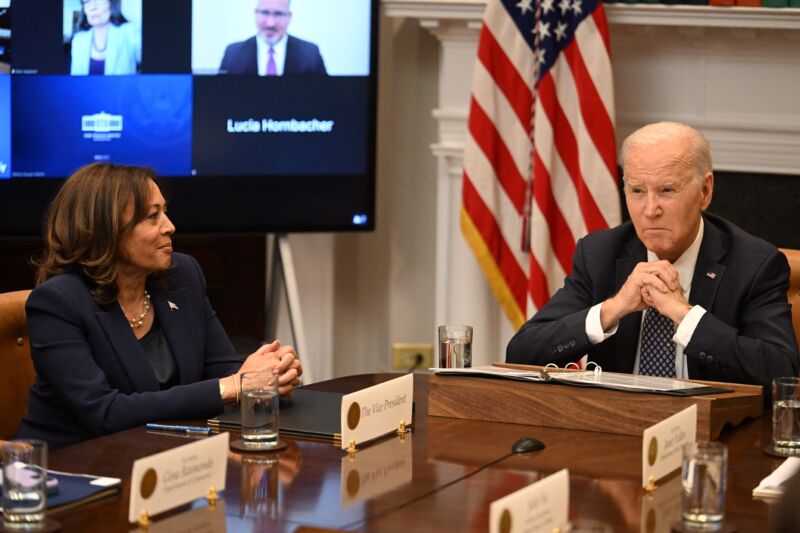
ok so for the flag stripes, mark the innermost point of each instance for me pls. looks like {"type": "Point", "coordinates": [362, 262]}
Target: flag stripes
{"type": "Point", "coordinates": [541, 135]}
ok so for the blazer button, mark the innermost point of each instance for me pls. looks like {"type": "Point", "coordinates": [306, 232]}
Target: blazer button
{"type": "Point", "coordinates": [709, 359]}
{"type": "Point", "coordinates": [560, 347]}
{"type": "Point", "coordinates": [572, 343]}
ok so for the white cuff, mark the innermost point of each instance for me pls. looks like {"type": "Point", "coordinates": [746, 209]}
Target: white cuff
{"type": "Point", "coordinates": [685, 330]}
{"type": "Point", "coordinates": [594, 327]}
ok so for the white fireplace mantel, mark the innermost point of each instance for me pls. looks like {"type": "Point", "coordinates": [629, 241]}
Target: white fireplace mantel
{"type": "Point", "coordinates": [734, 73]}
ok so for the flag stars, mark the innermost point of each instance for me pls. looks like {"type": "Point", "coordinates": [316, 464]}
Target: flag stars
{"type": "Point", "coordinates": [543, 29]}
{"type": "Point", "coordinates": [538, 56]}
{"type": "Point", "coordinates": [525, 6]}
{"type": "Point", "coordinates": [561, 31]}
{"type": "Point", "coordinates": [547, 6]}
{"type": "Point", "coordinates": [564, 6]}
{"type": "Point", "coordinates": [576, 7]}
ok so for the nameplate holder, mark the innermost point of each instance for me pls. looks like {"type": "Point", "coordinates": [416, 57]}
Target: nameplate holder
{"type": "Point", "coordinates": [541, 506]}
{"type": "Point", "coordinates": [376, 411]}
{"type": "Point", "coordinates": [662, 443]}
{"type": "Point", "coordinates": [174, 477]}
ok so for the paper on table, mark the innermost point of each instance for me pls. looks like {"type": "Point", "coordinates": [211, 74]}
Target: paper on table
{"type": "Point", "coordinates": [772, 485]}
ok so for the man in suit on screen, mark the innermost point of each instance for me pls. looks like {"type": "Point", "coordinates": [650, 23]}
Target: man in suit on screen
{"type": "Point", "coordinates": [675, 291]}
{"type": "Point", "coordinates": [273, 52]}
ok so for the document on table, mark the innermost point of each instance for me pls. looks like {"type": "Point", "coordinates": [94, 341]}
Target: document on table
{"type": "Point", "coordinates": [587, 378]}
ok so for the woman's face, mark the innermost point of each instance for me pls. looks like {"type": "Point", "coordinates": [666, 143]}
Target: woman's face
{"type": "Point", "coordinates": [98, 12]}
{"type": "Point", "coordinates": [147, 247]}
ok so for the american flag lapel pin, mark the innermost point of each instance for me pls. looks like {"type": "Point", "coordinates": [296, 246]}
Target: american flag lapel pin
{"type": "Point", "coordinates": [711, 275]}
{"type": "Point", "coordinates": [172, 306]}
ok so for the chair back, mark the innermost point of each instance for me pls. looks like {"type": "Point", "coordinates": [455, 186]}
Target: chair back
{"type": "Point", "coordinates": [793, 256]}
{"type": "Point", "coordinates": [16, 366]}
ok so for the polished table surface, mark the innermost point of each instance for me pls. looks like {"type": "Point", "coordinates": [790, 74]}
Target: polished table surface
{"type": "Point", "coordinates": [441, 477]}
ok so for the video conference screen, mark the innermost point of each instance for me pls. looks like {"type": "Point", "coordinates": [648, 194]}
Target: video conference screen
{"type": "Point", "coordinates": [259, 115]}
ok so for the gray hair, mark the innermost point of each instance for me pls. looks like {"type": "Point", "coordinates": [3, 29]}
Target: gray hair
{"type": "Point", "coordinates": [660, 132]}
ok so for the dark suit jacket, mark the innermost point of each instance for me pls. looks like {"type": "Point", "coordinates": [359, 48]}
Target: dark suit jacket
{"type": "Point", "coordinates": [92, 376]}
{"type": "Point", "coordinates": [745, 337]}
{"type": "Point", "coordinates": [302, 57]}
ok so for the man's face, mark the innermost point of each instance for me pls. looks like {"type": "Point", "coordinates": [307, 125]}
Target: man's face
{"type": "Point", "coordinates": [664, 199]}
{"type": "Point", "coordinates": [272, 19]}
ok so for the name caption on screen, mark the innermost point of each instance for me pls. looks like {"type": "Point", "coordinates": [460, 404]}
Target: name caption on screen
{"type": "Point", "coordinates": [268, 125]}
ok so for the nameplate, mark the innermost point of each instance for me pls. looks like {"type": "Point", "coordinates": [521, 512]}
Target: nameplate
{"type": "Point", "coordinates": [172, 478]}
{"type": "Point", "coordinates": [376, 470]}
{"type": "Point", "coordinates": [662, 442]}
{"type": "Point", "coordinates": [541, 506]}
{"type": "Point", "coordinates": [376, 411]}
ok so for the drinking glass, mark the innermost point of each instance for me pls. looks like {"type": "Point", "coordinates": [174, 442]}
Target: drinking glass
{"type": "Point", "coordinates": [24, 483]}
{"type": "Point", "coordinates": [704, 476]}
{"type": "Point", "coordinates": [260, 409]}
{"type": "Point", "coordinates": [455, 346]}
{"type": "Point", "coordinates": [786, 415]}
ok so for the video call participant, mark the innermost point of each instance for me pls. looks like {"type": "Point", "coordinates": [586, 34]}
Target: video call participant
{"type": "Point", "coordinates": [272, 52]}
{"type": "Point", "coordinates": [106, 42]}
{"type": "Point", "coordinates": [674, 291]}
{"type": "Point", "coordinates": [121, 330]}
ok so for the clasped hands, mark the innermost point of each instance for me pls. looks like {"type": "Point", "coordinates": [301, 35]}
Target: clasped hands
{"type": "Point", "coordinates": [270, 357]}
{"type": "Point", "coordinates": [657, 285]}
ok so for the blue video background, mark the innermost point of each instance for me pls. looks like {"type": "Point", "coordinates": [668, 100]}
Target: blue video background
{"type": "Point", "coordinates": [5, 126]}
{"type": "Point", "coordinates": [61, 123]}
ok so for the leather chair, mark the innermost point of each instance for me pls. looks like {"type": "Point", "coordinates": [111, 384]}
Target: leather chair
{"type": "Point", "coordinates": [16, 367]}
{"type": "Point", "coordinates": [793, 256]}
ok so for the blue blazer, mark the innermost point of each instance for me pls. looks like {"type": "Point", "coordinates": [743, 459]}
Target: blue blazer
{"type": "Point", "coordinates": [123, 50]}
{"type": "Point", "coordinates": [92, 377]}
{"type": "Point", "coordinates": [746, 335]}
{"type": "Point", "coordinates": [302, 57]}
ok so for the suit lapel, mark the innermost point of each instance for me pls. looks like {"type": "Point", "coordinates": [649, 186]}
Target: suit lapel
{"type": "Point", "coordinates": [175, 315]}
{"type": "Point", "coordinates": [290, 61]}
{"type": "Point", "coordinates": [628, 332]}
{"type": "Point", "coordinates": [708, 271]}
{"type": "Point", "coordinates": [127, 349]}
{"type": "Point", "coordinates": [707, 277]}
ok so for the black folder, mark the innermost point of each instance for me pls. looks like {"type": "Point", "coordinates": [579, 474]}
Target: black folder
{"type": "Point", "coordinates": [308, 413]}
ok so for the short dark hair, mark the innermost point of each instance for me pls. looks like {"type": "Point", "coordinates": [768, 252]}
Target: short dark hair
{"type": "Point", "coordinates": [83, 226]}
{"type": "Point", "coordinates": [117, 18]}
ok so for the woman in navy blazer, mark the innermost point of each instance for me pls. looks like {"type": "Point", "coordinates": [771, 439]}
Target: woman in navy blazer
{"type": "Point", "coordinates": [121, 330]}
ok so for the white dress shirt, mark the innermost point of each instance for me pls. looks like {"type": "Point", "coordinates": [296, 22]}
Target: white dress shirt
{"type": "Point", "coordinates": [683, 334]}
{"type": "Point", "coordinates": [279, 49]}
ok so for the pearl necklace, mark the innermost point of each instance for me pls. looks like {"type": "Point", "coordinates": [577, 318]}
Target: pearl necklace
{"type": "Point", "coordinates": [137, 322]}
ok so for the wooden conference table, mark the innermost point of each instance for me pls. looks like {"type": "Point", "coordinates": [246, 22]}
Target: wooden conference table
{"type": "Point", "coordinates": [441, 477]}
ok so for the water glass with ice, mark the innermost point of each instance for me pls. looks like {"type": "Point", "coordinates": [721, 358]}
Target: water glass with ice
{"type": "Point", "coordinates": [455, 346]}
{"type": "Point", "coordinates": [704, 478]}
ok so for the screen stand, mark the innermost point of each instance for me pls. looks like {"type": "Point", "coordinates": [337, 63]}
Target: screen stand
{"type": "Point", "coordinates": [281, 278]}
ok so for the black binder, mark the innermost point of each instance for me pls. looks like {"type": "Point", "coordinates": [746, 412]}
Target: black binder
{"type": "Point", "coordinates": [308, 413]}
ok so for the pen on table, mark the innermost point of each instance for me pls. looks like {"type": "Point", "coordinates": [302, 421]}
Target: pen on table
{"type": "Point", "coordinates": [182, 429]}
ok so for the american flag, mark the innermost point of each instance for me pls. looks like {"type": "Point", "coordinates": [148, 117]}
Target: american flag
{"type": "Point", "coordinates": [540, 166]}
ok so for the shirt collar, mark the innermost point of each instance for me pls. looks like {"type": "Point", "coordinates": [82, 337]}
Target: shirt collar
{"type": "Point", "coordinates": [687, 261]}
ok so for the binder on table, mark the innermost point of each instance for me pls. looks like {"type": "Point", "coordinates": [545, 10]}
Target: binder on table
{"type": "Point", "coordinates": [309, 414]}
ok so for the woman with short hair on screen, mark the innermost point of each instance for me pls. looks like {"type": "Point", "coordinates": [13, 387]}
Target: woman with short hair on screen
{"type": "Point", "coordinates": [105, 43]}
{"type": "Point", "coordinates": [121, 330]}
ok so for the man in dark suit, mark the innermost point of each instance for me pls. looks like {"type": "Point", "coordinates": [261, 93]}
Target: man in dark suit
{"type": "Point", "coordinates": [272, 52]}
{"type": "Point", "coordinates": [673, 292]}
